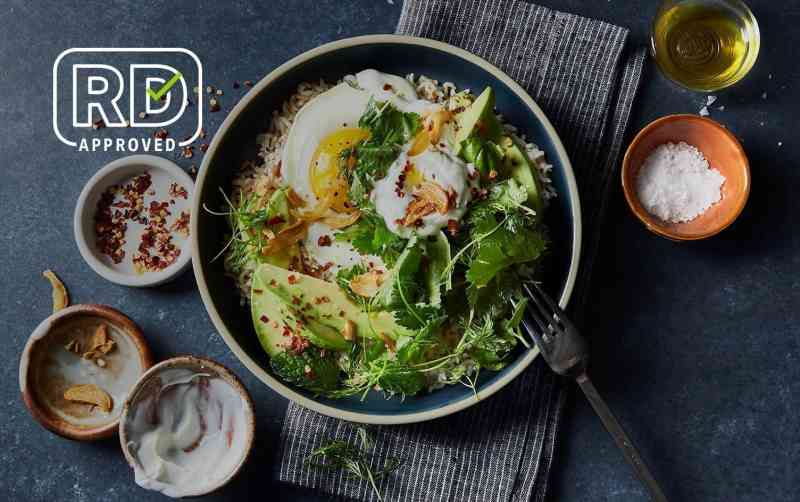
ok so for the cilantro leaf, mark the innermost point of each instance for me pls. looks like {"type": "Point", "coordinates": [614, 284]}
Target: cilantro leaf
{"type": "Point", "coordinates": [503, 233]}
{"type": "Point", "coordinates": [369, 160]}
{"type": "Point", "coordinates": [369, 235]}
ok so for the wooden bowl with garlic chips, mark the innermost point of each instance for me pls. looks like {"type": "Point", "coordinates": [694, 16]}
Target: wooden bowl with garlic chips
{"type": "Point", "coordinates": [77, 369]}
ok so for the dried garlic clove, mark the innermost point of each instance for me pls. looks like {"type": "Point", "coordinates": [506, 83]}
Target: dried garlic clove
{"type": "Point", "coordinates": [107, 347]}
{"type": "Point", "coordinates": [434, 124]}
{"type": "Point", "coordinates": [73, 346]}
{"type": "Point", "coordinates": [90, 394]}
{"type": "Point", "coordinates": [99, 337]}
{"type": "Point", "coordinates": [367, 284]}
{"type": "Point", "coordinates": [60, 296]}
{"type": "Point", "coordinates": [429, 198]}
{"type": "Point", "coordinates": [340, 220]}
{"type": "Point", "coordinates": [101, 362]}
{"type": "Point", "coordinates": [294, 198]}
{"type": "Point", "coordinates": [287, 237]}
{"type": "Point", "coordinates": [389, 342]}
{"type": "Point", "coordinates": [349, 332]}
{"type": "Point", "coordinates": [421, 143]}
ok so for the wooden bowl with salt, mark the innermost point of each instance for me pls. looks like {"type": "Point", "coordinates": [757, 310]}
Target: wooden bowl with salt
{"type": "Point", "coordinates": [722, 151]}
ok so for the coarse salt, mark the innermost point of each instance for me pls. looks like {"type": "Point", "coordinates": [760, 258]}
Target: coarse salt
{"type": "Point", "coordinates": [676, 183]}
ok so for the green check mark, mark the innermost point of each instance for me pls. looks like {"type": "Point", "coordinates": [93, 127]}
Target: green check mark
{"type": "Point", "coordinates": [157, 95]}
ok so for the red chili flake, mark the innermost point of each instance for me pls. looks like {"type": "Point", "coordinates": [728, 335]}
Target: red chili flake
{"type": "Point", "coordinates": [273, 283]}
{"type": "Point", "coordinates": [298, 344]}
{"type": "Point", "coordinates": [213, 105]}
{"type": "Point", "coordinates": [387, 87]}
{"type": "Point", "coordinates": [452, 197]}
{"type": "Point", "coordinates": [98, 124]}
{"type": "Point", "coordinates": [296, 301]}
{"type": "Point", "coordinates": [203, 147]}
{"type": "Point", "coordinates": [324, 240]}
{"type": "Point", "coordinates": [277, 220]}
{"type": "Point", "coordinates": [264, 319]}
{"type": "Point", "coordinates": [177, 191]}
{"type": "Point", "coordinates": [293, 279]}
{"type": "Point", "coordinates": [452, 227]}
{"type": "Point", "coordinates": [257, 291]}
{"type": "Point", "coordinates": [161, 134]}
{"type": "Point", "coordinates": [248, 83]}
{"type": "Point", "coordinates": [187, 152]}
{"type": "Point", "coordinates": [341, 313]}
{"type": "Point", "coordinates": [277, 170]}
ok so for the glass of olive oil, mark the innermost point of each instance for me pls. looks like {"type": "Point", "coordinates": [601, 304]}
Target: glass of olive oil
{"type": "Point", "coordinates": [705, 45]}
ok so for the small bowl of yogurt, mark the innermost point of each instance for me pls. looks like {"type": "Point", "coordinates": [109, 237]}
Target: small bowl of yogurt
{"type": "Point", "coordinates": [187, 427]}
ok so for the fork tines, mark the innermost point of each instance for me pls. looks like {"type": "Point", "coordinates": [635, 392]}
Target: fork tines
{"type": "Point", "coordinates": [545, 312]}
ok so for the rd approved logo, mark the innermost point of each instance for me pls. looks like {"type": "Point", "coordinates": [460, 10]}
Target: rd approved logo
{"type": "Point", "coordinates": [117, 99]}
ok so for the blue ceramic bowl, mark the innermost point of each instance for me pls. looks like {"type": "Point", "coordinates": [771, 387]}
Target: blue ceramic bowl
{"type": "Point", "coordinates": [235, 141]}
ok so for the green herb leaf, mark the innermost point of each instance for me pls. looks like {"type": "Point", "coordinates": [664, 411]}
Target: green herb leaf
{"type": "Point", "coordinates": [353, 460]}
{"type": "Point", "coordinates": [369, 235]}
{"type": "Point", "coordinates": [389, 129]}
{"type": "Point", "coordinates": [309, 370]}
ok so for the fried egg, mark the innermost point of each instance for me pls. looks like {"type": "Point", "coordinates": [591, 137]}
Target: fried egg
{"type": "Point", "coordinates": [327, 126]}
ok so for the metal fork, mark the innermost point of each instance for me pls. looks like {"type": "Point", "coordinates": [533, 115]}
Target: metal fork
{"type": "Point", "coordinates": [567, 353]}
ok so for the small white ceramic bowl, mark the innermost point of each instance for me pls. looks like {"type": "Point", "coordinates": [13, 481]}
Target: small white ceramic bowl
{"type": "Point", "coordinates": [243, 437]}
{"type": "Point", "coordinates": [114, 173]}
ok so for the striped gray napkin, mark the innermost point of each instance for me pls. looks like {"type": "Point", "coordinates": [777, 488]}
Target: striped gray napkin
{"type": "Point", "coordinates": [580, 73]}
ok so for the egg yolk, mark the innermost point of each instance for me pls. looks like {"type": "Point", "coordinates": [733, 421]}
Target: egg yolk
{"type": "Point", "coordinates": [324, 170]}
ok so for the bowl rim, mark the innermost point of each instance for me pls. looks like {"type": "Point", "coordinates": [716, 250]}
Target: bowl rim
{"type": "Point", "coordinates": [280, 387]}
{"type": "Point", "coordinates": [223, 372]}
{"type": "Point", "coordinates": [83, 212]}
{"type": "Point", "coordinates": [55, 424]}
{"type": "Point", "coordinates": [651, 222]}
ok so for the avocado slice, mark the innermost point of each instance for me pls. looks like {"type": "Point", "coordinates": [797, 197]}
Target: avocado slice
{"type": "Point", "coordinates": [478, 118]}
{"type": "Point", "coordinates": [520, 167]}
{"type": "Point", "coordinates": [270, 313]}
{"type": "Point", "coordinates": [325, 307]}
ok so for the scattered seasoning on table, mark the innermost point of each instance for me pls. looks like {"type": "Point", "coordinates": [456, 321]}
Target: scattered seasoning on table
{"type": "Point", "coordinates": [676, 183]}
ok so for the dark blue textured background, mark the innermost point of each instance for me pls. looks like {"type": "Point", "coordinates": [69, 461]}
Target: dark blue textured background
{"type": "Point", "coordinates": [695, 346]}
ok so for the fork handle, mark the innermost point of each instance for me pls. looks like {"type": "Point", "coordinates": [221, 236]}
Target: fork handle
{"type": "Point", "coordinates": [623, 442]}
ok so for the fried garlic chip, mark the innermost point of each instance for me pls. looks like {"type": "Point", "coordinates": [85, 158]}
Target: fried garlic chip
{"type": "Point", "coordinates": [60, 296]}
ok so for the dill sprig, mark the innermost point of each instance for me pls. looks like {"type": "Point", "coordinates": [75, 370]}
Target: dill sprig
{"type": "Point", "coordinates": [353, 459]}
{"type": "Point", "coordinates": [247, 218]}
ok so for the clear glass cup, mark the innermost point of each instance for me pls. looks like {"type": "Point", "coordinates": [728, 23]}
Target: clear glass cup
{"type": "Point", "coordinates": [704, 45]}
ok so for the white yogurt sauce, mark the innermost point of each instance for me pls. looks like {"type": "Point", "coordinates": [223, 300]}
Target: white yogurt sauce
{"type": "Point", "coordinates": [436, 165]}
{"type": "Point", "coordinates": [188, 435]}
{"type": "Point", "coordinates": [341, 254]}
{"type": "Point", "coordinates": [397, 90]}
